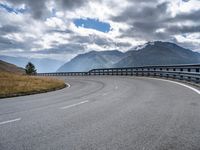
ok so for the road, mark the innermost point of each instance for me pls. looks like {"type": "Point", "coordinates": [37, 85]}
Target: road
{"type": "Point", "coordinates": [103, 113]}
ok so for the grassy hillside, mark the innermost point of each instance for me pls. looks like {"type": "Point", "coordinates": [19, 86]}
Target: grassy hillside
{"type": "Point", "coordinates": [7, 67]}
{"type": "Point", "coordinates": [17, 85]}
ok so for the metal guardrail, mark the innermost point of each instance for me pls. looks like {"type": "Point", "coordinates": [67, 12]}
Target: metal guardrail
{"type": "Point", "coordinates": [189, 73]}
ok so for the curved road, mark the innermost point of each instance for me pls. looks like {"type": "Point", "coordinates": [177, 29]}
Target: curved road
{"type": "Point", "coordinates": [104, 113]}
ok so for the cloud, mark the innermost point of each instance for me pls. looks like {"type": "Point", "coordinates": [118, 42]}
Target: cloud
{"type": "Point", "coordinates": [11, 9]}
{"type": "Point", "coordinates": [187, 16]}
{"type": "Point", "coordinates": [47, 29]}
{"type": "Point", "coordinates": [73, 48]}
{"type": "Point", "coordinates": [156, 21]}
{"type": "Point", "coordinates": [39, 8]}
{"type": "Point", "coordinates": [71, 4]}
{"type": "Point", "coordinates": [5, 29]}
{"type": "Point", "coordinates": [8, 44]}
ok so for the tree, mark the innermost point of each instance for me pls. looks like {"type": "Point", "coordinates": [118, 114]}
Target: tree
{"type": "Point", "coordinates": [30, 69]}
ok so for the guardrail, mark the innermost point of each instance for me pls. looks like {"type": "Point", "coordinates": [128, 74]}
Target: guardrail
{"type": "Point", "coordinates": [189, 73]}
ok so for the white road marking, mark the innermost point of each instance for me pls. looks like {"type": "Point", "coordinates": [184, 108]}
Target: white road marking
{"type": "Point", "coordinates": [73, 105]}
{"type": "Point", "coordinates": [9, 121]}
{"type": "Point", "coordinates": [68, 85]}
{"type": "Point", "coordinates": [187, 86]}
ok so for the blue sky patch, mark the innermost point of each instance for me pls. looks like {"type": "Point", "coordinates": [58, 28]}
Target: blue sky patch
{"type": "Point", "coordinates": [10, 9]}
{"type": "Point", "coordinates": [93, 24]}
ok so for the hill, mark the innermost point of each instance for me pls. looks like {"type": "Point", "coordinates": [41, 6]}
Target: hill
{"type": "Point", "coordinates": [152, 53]}
{"type": "Point", "coordinates": [7, 67]}
{"type": "Point", "coordinates": [91, 60]}
{"type": "Point", "coordinates": [159, 53]}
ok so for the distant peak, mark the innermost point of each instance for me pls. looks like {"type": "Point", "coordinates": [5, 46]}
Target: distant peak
{"type": "Point", "coordinates": [151, 43]}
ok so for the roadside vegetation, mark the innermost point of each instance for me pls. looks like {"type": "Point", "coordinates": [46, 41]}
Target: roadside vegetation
{"type": "Point", "coordinates": [30, 69]}
{"type": "Point", "coordinates": [12, 84]}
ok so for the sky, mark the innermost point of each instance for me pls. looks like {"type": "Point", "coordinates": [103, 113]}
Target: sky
{"type": "Point", "coordinates": [61, 29]}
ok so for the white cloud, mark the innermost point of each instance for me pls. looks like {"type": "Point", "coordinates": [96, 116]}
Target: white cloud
{"type": "Point", "coordinates": [57, 27]}
{"type": "Point", "coordinates": [180, 6]}
{"type": "Point", "coordinates": [55, 22]}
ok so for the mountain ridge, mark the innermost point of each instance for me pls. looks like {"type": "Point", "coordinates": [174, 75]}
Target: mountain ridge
{"type": "Point", "coordinates": [152, 53]}
{"type": "Point", "coordinates": [91, 60]}
{"type": "Point", "coordinates": [159, 53]}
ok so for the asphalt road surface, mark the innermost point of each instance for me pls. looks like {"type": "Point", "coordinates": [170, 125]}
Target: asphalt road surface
{"type": "Point", "coordinates": [104, 113]}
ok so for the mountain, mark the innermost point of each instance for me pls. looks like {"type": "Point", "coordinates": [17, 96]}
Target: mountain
{"type": "Point", "coordinates": [159, 53]}
{"type": "Point", "coordinates": [152, 53]}
{"type": "Point", "coordinates": [7, 67]}
{"type": "Point", "coordinates": [91, 60]}
{"type": "Point", "coordinates": [42, 65]}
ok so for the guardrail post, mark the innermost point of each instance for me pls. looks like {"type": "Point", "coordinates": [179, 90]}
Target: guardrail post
{"type": "Point", "coordinates": [161, 75]}
{"type": "Point", "coordinates": [148, 72]}
{"type": "Point", "coordinates": [136, 72]}
{"type": "Point", "coordinates": [126, 70]}
{"type": "Point", "coordinates": [197, 80]}
{"type": "Point", "coordinates": [131, 71]}
{"type": "Point", "coordinates": [142, 71]}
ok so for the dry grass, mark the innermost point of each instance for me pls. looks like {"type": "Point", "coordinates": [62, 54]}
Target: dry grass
{"type": "Point", "coordinates": [17, 85]}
